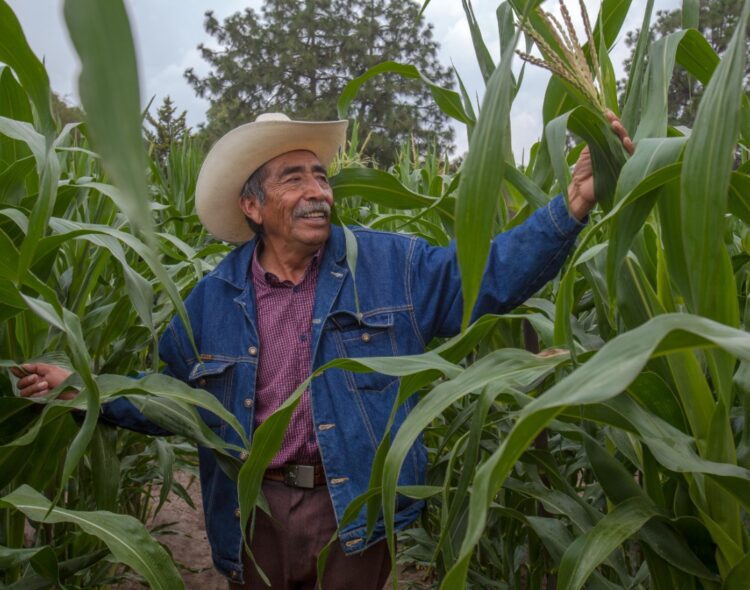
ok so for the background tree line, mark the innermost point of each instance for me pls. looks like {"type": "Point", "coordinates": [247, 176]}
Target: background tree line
{"type": "Point", "coordinates": [296, 57]}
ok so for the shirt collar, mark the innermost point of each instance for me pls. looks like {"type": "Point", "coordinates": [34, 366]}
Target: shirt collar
{"type": "Point", "coordinates": [262, 276]}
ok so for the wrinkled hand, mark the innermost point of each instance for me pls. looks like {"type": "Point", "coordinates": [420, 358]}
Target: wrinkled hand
{"type": "Point", "coordinates": [581, 188]}
{"type": "Point", "coordinates": [38, 379]}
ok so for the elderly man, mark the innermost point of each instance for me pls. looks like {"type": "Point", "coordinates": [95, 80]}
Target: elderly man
{"type": "Point", "coordinates": [282, 304]}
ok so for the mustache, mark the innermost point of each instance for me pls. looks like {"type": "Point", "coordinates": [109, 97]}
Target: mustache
{"type": "Point", "coordinates": [313, 207]}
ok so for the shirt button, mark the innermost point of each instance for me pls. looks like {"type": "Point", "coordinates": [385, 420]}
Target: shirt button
{"type": "Point", "coordinates": [202, 381]}
{"type": "Point", "coordinates": [243, 455]}
{"type": "Point", "coordinates": [252, 350]}
{"type": "Point", "coordinates": [233, 575]}
{"type": "Point", "coordinates": [365, 337]}
{"type": "Point", "coordinates": [248, 403]}
{"type": "Point", "coordinates": [236, 512]}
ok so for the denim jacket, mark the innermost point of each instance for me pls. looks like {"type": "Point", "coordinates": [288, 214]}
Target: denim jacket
{"type": "Point", "coordinates": [409, 292]}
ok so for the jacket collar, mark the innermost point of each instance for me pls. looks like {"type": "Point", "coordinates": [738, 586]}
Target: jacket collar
{"type": "Point", "coordinates": [235, 267]}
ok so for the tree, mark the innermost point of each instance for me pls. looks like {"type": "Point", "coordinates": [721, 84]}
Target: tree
{"type": "Point", "coordinates": [717, 21]}
{"type": "Point", "coordinates": [166, 129]}
{"type": "Point", "coordinates": [296, 57]}
{"type": "Point", "coordinates": [65, 112]}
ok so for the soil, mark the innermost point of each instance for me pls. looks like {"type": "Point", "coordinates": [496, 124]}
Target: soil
{"type": "Point", "coordinates": [189, 546]}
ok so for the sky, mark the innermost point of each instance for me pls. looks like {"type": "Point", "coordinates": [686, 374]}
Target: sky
{"type": "Point", "coordinates": [167, 34]}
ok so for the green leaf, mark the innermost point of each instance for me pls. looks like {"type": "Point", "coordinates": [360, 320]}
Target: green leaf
{"type": "Point", "coordinates": [110, 95]}
{"type": "Point", "coordinates": [645, 169]}
{"type": "Point", "coordinates": [706, 176]}
{"type": "Point", "coordinates": [484, 59]}
{"type": "Point", "coordinates": [690, 13]}
{"type": "Point", "coordinates": [25, 132]}
{"type": "Point", "coordinates": [633, 90]}
{"type": "Point", "coordinates": [378, 186]}
{"type": "Point", "coordinates": [448, 100]}
{"type": "Point", "coordinates": [482, 176]}
{"type": "Point", "coordinates": [125, 536]}
{"type": "Point", "coordinates": [589, 550]}
{"type": "Point", "coordinates": [42, 559]}
{"type": "Point", "coordinates": [14, 104]}
{"type": "Point", "coordinates": [661, 59]}
{"type": "Point", "coordinates": [739, 575]}
{"type": "Point", "coordinates": [605, 375]}
{"type": "Point", "coordinates": [15, 51]}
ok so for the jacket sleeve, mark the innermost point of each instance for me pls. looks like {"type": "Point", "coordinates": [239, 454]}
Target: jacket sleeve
{"type": "Point", "coordinates": [520, 262]}
{"type": "Point", "coordinates": [122, 412]}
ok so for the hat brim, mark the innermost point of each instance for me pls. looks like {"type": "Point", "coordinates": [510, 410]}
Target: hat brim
{"type": "Point", "coordinates": [241, 152]}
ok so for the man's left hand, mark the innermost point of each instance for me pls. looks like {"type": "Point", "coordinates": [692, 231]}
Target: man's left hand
{"type": "Point", "coordinates": [581, 196]}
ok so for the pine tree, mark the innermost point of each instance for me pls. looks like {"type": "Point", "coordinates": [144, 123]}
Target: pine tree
{"type": "Point", "coordinates": [295, 57]}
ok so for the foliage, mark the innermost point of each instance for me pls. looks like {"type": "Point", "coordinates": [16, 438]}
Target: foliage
{"type": "Point", "coordinates": [717, 21]}
{"type": "Point", "coordinates": [166, 130]}
{"type": "Point", "coordinates": [79, 276]}
{"type": "Point", "coordinates": [617, 458]}
{"type": "Point", "coordinates": [65, 112]}
{"type": "Point", "coordinates": [295, 57]}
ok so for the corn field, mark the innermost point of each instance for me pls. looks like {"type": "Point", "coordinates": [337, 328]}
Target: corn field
{"type": "Point", "coordinates": [618, 458]}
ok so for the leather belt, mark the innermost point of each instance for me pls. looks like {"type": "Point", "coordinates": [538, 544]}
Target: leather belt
{"type": "Point", "coordinates": [298, 476]}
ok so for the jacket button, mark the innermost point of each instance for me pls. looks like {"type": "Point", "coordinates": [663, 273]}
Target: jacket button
{"type": "Point", "coordinates": [365, 337]}
{"type": "Point", "coordinates": [243, 455]}
{"type": "Point", "coordinates": [236, 512]}
{"type": "Point", "coordinates": [233, 575]}
{"type": "Point", "coordinates": [202, 381]}
{"type": "Point", "coordinates": [248, 403]}
{"type": "Point", "coordinates": [253, 351]}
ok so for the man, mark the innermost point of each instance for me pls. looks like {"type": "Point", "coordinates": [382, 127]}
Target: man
{"type": "Point", "coordinates": [283, 304]}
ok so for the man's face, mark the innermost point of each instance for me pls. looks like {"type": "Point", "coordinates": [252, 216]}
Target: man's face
{"type": "Point", "coordinates": [296, 214]}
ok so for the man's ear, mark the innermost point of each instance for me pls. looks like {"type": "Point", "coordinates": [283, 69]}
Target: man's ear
{"type": "Point", "coordinates": [252, 209]}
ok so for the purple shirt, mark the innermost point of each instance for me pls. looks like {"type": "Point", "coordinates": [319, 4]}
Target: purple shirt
{"type": "Point", "coordinates": [285, 358]}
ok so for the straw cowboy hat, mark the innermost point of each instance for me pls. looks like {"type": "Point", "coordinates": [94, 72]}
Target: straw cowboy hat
{"type": "Point", "coordinates": [241, 152]}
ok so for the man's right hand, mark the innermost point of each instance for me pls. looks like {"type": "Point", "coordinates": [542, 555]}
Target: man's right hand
{"type": "Point", "coordinates": [38, 379]}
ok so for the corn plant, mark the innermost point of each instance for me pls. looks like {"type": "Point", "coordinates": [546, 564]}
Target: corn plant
{"type": "Point", "coordinates": [619, 459]}
{"type": "Point", "coordinates": [94, 264]}
{"type": "Point", "coordinates": [622, 460]}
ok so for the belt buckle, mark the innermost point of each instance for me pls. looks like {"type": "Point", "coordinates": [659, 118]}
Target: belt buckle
{"type": "Point", "coordinates": [299, 476]}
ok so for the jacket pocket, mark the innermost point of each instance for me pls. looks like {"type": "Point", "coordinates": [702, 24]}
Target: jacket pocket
{"type": "Point", "coordinates": [214, 376]}
{"type": "Point", "coordinates": [366, 336]}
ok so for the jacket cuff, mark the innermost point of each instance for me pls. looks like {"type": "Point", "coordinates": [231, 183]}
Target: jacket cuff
{"type": "Point", "coordinates": [564, 223]}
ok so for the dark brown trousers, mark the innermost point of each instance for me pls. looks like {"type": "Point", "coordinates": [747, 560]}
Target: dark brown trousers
{"type": "Point", "coordinates": [286, 546]}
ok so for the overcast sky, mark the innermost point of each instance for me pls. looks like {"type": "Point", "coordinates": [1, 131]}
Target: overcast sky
{"type": "Point", "coordinates": [167, 33]}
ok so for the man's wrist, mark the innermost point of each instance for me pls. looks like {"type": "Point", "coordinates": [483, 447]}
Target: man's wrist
{"type": "Point", "coordinates": [579, 206]}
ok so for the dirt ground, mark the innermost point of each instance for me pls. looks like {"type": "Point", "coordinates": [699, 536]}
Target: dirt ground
{"type": "Point", "coordinates": [190, 546]}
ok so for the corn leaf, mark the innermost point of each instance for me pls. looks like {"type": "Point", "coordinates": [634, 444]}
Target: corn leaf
{"type": "Point", "coordinates": [125, 536]}
{"type": "Point", "coordinates": [481, 178]}
{"type": "Point", "coordinates": [633, 89]}
{"type": "Point", "coordinates": [706, 176]}
{"type": "Point", "coordinates": [15, 51]}
{"type": "Point", "coordinates": [589, 550]}
{"type": "Point", "coordinates": [484, 59]}
{"type": "Point", "coordinates": [690, 13]}
{"type": "Point", "coordinates": [601, 378]}
{"type": "Point", "coordinates": [647, 163]}
{"type": "Point", "coordinates": [448, 100]}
